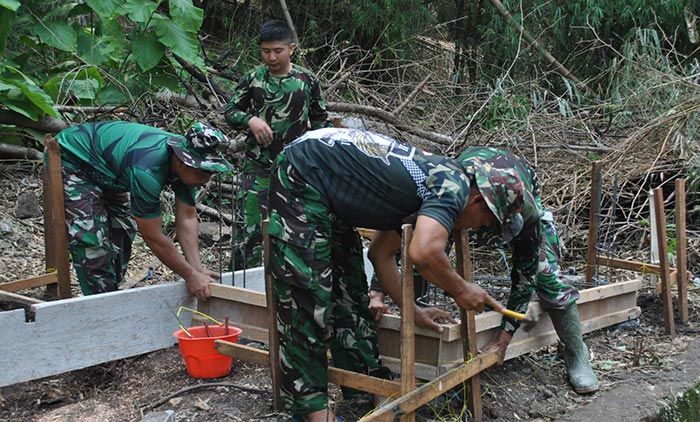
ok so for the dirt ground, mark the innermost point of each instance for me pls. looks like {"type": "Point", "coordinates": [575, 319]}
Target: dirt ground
{"type": "Point", "coordinates": [532, 387]}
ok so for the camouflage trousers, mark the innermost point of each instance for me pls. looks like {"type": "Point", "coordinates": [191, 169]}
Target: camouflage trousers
{"type": "Point", "coordinates": [100, 232]}
{"type": "Point", "coordinates": [253, 198]}
{"type": "Point", "coordinates": [321, 293]}
{"type": "Point", "coordinates": [551, 291]}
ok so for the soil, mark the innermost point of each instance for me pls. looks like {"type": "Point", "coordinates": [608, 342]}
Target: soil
{"type": "Point", "coordinates": [637, 365]}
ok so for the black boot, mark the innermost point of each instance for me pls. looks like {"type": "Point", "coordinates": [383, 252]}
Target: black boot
{"type": "Point", "coordinates": [567, 324]}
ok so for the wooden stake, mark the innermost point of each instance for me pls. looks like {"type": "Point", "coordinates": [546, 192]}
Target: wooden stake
{"type": "Point", "coordinates": [681, 251]}
{"type": "Point", "coordinates": [408, 339]}
{"type": "Point", "coordinates": [468, 326]}
{"type": "Point", "coordinates": [593, 222]}
{"type": "Point", "coordinates": [55, 230]}
{"type": "Point", "coordinates": [274, 342]}
{"type": "Point", "coordinates": [663, 261]}
{"type": "Point", "coordinates": [426, 392]}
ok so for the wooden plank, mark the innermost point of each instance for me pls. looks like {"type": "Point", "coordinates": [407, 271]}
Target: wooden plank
{"type": "Point", "coordinates": [681, 251]}
{"type": "Point", "coordinates": [624, 264]}
{"type": "Point", "coordinates": [468, 331]}
{"type": "Point", "coordinates": [593, 221]}
{"type": "Point", "coordinates": [663, 262]}
{"type": "Point", "coordinates": [238, 294]}
{"type": "Point", "coordinates": [653, 236]}
{"type": "Point", "coordinates": [15, 298]}
{"type": "Point", "coordinates": [76, 333]}
{"type": "Point", "coordinates": [408, 335]}
{"type": "Point", "coordinates": [28, 283]}
{"type": "Point", "coordinates": [273, 335]}
{"type": "Point", "coordinates": [55, 230]}
{"type": "Point", "coordinates": [425, 393]}
{"type": "Point", "coordinates": [335, 375]}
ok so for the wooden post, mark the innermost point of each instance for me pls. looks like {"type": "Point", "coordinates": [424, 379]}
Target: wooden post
{"type": "Point", "coordinates": [274, 341]}
{"type": "Point", "coordinates": [408, 340]}
{"type": "Point", "coordinates": [653, 236]}
{"type": "Point", "coordinates": [593, 223]}
{"type": "Point", "coordinates": [55, 230]}
{"type": "Point", "coordinates": [681, 251]}
{"type": "Point", "coordinates": [663, 261]}
{"type": "Point", "coordinates": [468, 326]}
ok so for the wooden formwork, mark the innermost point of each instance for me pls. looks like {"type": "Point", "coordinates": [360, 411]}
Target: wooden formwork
{"type": "Point", "coordinates": [599, 307]}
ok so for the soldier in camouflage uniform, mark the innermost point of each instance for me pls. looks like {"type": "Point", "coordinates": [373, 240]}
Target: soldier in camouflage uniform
{"type": "Point", "coordinates": [277, 102]}
{"type": "Point", "coordinates": [536, 253]}
{"type": "Point", "coordinates": [323, 185]}
{"type": "Point", "coordinates": [113, 173]}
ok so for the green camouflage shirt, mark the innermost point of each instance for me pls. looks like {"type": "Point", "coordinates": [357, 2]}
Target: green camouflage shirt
{"type": "Point", "coordinates": [373, 181]}
{"type": "Point", "coordinates": [124, 157]}
{"type": "Point", "coordinates": [290, 104]}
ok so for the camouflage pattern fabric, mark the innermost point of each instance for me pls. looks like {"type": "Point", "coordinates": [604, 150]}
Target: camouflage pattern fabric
{"type": "Point", "coordinates": [253, 197]}
{"type": "Point", "coordinates": [321, 293]}
{"type": "Point", "coordinates": [125, 157]}
{"type": "Point", "coordinates": [290, 104]}
{"type": "Point", "coordinates": [536, 247]}
{"type": "Point", "coordinates": [100, 232]}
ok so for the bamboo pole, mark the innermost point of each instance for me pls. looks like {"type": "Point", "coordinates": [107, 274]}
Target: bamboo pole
{"type": "Point", "coordinates": [593, 222]}
{"type": "Point", "coordinates": [681, 251]}
{"type": "Point", "coordinates": [275, 371]}
{"type": "Point", "coordinates": [663, 262]}
{"type": "Point", "coordinates": [408, 334]}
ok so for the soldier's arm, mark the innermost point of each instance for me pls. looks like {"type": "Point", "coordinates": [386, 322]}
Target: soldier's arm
{"type": "Point", "coordinates": [318, 116]}
{"type": "Point", "coordinates": [164, 248]}
{"type": "Point", "coordinates": [237, 110]}
{"type": "Point", "coordinates": [526, 248]}
{"type": "Point", "coordinates": [427, 251]}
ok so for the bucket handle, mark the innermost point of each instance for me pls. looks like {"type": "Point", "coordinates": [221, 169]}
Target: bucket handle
{"type": "Point", "coordinates": [196, 312]}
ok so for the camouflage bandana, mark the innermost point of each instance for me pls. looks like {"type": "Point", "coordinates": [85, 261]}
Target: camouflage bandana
{"type": "Point", "coordinates": [503, 192]}
{"type": "Point", "coordinates": [199, 148]}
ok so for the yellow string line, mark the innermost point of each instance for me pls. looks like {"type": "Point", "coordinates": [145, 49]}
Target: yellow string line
{"type": "Point", "coordinates": [196, 312]}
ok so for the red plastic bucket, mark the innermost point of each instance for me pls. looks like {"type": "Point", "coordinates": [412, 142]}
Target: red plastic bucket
{"type": "Point", "coordinates": [201, 358]}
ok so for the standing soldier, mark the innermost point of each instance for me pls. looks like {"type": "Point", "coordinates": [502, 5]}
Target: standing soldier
{"type": "Point", "coordinates": [277, 102]}
{"type": "Point", "coordinates": [113, 173]}
{"type": "Point", "coordinates": [324, 185]}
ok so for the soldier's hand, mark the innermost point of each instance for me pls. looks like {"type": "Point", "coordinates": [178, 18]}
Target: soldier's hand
{"type": "Point", "coordinates": [432, 318]}
{"type": "Point", "coordinates": [261, 130]}
{"type": "Point", "coordinates": [210, 273]}
{"type": "Point", "coordinates": [474, 298]}
{"type": "Point", "coordinates": [499, 344]}
{"type": "Point", "coordinates": [198, 284]}
{"type": "Point", "coordinates": [377, 305]}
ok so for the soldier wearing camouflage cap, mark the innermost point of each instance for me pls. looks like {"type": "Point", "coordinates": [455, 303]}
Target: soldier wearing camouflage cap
{"type": "Point", "coordinates": [276, 102]}
{"type": "Point", "coordinates": [113, 174]}
{"type": "Point", "coordinates": [536, 254]}
{"type": "Point", "coordinates": [324, 185]}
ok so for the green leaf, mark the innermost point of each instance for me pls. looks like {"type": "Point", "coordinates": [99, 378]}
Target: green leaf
{"type": "Point", "coordinates": [10, 4]}
{"type": "Point", "coordinates": [111, 95]}
{"type": "Point", "coordinates": [176, 38]}
{"type": "Point", "coordinates": [83, 84]}
{"type": "Point", "coordinates": [23, 107]}
{"type": "Point", "coordinates": [186, 14]}
{"type": "Point", "coordinates": [104, 8]}
{"type": "Point", "coordinates": [140, 11]}
{"type": "Point", "coordinates": [7, 17]}
{"type": "Point", "coordinates": [147, 50]}
{"type": "Point", "coordinates": [92, 49]}
{"type": "Point", "coordinates": [57, 34]}
{"type": "Point", "coordinates": [32, 102]}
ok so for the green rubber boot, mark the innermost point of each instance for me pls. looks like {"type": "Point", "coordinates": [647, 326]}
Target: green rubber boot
{"type": "Point", "coordinates": [567, 324]}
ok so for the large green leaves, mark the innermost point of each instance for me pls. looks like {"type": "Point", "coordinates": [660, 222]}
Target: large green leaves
{"type": "Point", "coordinates": [147, 50]}
{"type": "Point", "coordinates": [140, 11]}
{"type": "Point", "coordinates": [182, 42]}
{"type": "Point", "coordinates": [12, 5]}
{"type": "Point", "coordinates": [80, 85]}
{"type": "Point", "coordinates": [20, 94]}
{"type": "Point", "coordinates": [105, 8]}
{"type": "Point", "coordinates": [57, 34]}
{"type": "Point", "coordinates": [186, 14]}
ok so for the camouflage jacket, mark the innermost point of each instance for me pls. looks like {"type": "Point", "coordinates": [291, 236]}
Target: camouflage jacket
{"type": "Point", "coordinates": [290, 104]}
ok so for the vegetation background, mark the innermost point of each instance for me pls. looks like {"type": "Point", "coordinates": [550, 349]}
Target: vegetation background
{"type": "Point", "coordinates": [562, 83]}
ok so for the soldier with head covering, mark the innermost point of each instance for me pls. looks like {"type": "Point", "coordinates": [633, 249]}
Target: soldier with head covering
{"type": "Point", "coordinates": [113, 174]}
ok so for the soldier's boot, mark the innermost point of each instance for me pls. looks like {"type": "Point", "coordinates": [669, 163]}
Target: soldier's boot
{"type": "Point", "coordinates": [567, 324]}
